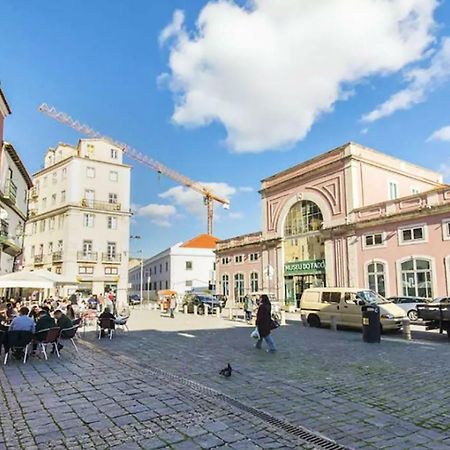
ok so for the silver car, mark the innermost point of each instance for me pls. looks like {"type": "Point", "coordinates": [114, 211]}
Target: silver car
{"type": "Point", "coordinates": [409, 305]}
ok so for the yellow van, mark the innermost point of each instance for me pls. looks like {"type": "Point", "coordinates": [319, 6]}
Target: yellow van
{"type": "Point", "coordinates": [319, 305]}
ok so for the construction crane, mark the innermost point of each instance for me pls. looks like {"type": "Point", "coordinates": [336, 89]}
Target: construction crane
{"type": "Point", "coordinates": [208, 196]}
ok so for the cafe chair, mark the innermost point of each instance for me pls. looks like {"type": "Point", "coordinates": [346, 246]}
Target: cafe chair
{"type": "Point", "coordinates": [18, 340]}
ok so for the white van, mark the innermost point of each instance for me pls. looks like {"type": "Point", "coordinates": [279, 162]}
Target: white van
{"type": "Point", "coordinates": [319, 305]}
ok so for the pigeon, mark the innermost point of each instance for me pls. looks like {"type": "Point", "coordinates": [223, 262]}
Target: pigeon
{"type": "Point", "coordinates": [226, 372]}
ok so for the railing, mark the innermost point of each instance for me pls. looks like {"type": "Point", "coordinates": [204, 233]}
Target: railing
{"type": "Point", "coordinates": [34, 192]}
{"type": "Point", "coordinates": [104, 206]}
{"type": "Point", "coordinates": [57, 256]}
{"type": "Point", "coordinates": [111, 258]}
{"type": "Point", "coordinates": [38, 259]}
{"type": "Point", "coordinates": [87, 256]}
{"type": "Point", "coordinates": [4, 228]}
{"type": "Point", "coordinates": [10, 190]}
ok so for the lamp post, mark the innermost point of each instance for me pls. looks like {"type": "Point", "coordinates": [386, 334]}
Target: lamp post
{"type": "Point", "coordinates": [142, 270]}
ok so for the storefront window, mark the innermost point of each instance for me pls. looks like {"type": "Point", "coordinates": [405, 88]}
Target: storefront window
{"type": "Point", "coordinates": [416, 278]}
{"type": "Point", "coordinates": [376, 277]}
{"type": "Point", "coordinates": [239, 287]}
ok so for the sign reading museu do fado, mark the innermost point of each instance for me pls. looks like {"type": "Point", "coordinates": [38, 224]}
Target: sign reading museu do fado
{"type": "Point", "coordinates": [308, 267]}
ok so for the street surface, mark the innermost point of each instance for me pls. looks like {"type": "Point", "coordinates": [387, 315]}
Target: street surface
{"type": "Point", "coordinates": [158, 387]}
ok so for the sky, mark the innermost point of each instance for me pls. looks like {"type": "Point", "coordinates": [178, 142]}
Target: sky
{"type": "Point", "coordinates": [227, 92]}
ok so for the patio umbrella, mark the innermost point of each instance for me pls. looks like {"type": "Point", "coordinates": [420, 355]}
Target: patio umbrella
{"type": "Point", "coordinates": [39, 279]}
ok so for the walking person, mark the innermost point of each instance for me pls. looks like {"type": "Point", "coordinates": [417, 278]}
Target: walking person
{"type": "Point", "coordinates": [172, 306]}
{"type": "Point", "coordinates": [264, 324]}
{"type": "Point", "coordinates": [248, 308]}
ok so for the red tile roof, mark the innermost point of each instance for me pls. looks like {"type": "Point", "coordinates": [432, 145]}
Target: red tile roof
{"type": "Point", "coordinates": [201, 241]}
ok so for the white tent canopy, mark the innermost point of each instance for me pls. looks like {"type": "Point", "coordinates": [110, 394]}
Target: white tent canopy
{"type": "Point", "coordinates": [38, 279]}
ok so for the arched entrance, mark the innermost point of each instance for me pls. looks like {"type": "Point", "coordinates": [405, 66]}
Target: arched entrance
{"type": "Point", "coordinates": [304, 253]}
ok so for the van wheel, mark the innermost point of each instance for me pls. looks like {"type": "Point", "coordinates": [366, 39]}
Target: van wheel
{"type": "Point", "coordinates": [314, 321]}
{"type": "Point", "coordinates": [413, 316]}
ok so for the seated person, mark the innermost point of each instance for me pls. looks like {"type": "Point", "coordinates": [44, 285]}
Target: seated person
{"type": "Point", "coordinates": [106, 314]}
{"type": "Point", "coordinates": [63, 322]}
{"type": "Point", "coordinates": [44, 322]}
{"type": "Point", "coordinates": [22, 323]}
{"type": "Point", "coordinates": [10, 311]}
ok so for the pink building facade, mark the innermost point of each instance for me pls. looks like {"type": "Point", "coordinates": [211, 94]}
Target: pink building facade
{"type": "Point", "coordinates": [348, 218]}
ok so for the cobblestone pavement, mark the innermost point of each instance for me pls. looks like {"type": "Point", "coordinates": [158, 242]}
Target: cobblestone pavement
{"type": "Point", "coordinates": [116, 394]}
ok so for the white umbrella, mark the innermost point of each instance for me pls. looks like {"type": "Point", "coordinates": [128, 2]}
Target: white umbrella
{"type": "Point", "coordinates": [39, 279]}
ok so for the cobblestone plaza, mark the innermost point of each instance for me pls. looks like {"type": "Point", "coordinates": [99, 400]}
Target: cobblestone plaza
{"type": "Point", "coordinates": [158, 387]}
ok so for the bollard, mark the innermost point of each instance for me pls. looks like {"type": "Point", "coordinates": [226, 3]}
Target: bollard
{"type": "Point", "coordinates": [195, 310]}
{"type": "Point", "coordinates": [304, 320]}
{"type": "Point", "coordinates": [206, 309]}
{"type": "Point", "coordinates": [185, 309]}
{"type": "Point", "coordinates": [406, 325]}
{"type": "Point", "coordinates": [283, 317]}
{"type": "Point", "coordinates": [218, 311]}
{"type": "Point", "coordinates": [230, 311]}
{"type": "Point", "coordinates": [333, 323]}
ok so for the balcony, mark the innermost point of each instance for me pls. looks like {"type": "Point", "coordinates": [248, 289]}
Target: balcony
{"type": "Point", "coordinates": [34, 193]}
{"type": "Point", "coordinates": [111, 258]}
{"type": "Point", "coordinates": [38, 260]}
{"type": "Point", "coordinates": [57, 256]}
{"type": "Point", "coordinates": [4, 228]}
{"type": "Point", "coordinates": [32, 212]}
{"type": "Point", "coordinates": [87, 257]}
{"type": "Point", "coordinates": [102, 206]}
{"type": "Point", "coordinates": [10, 192]}
{"type": "Point", "coordinates": [10, 245]}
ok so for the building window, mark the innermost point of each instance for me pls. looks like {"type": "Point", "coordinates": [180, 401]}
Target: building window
{"type": "Point", "coordinates": [226, 260]}
{"type": "Point", "coordinates": [44, 203]}
{"type": "Point", "coordinates": [254, 256]}
{"type": "Point", "coordinates": [90, 172]}
{"type": "Point", "coordinates": [167, 266]}
{"type": "Point", "coordinates": [446, 229]}
{"type": "Point", "coordinates": [376, 277]}
{"type": "Point", "coordinates": [373, 240]}
{"type": "Point", "coordinates": [239, 287]}
{"type": "Point", "coordinates": [413, 234]}
{"type": "Point", "coordinates": [167, 284]}
{"type": "Point", "coordinates": [34, 228]}
{"type": "Point", "coordinates": [51, 223]}
{"type": "Point", "coordinates": [114, 153]}
{"type": "Point", "coordinates": [33, 251]}
{"type": "Point", "coordinates": [112, 198]}
{"type": "Point", "coordinates": [303, 217]}
{"type": "Point", "coordinates": [61, 221]}
{"type": "Point", "coordinates": [111, 249]}
{"type": "Point", "coordinates": [44, 181]}
{"type": "Point", "coordinates": [111, 271]}
{"type": "Point", "coordinates": [238, 259]}
{"type": "Point", "coordinates": [64, 173]}
{"type": "Point", "coordinates": [416, 278]}
{"type": "Point", "coordinates": [225, 285]}
{"type": "Point", "coordinates": [393, 190]}
{"type": "Point", "coordinates": [42, 226]}
{"type": "Point", "coordinates": [53, 199]}
{"type": "Point", "coordinates": [63, 196]}
{"type": "Point", "coordinates": [254, 282]}
{"type": "Point", "coordinates": [89, 197]}
{"type": "Point", "coordinates": [113, 175]}
{"type": "Point", "coordinates": [112, 223]}
{"type": "Point", "coordinates": [54, 177]}
{"type": "Point", "coordinates": [188, 283]}
{"type": "Point", "coordinates": [85, 270]}
{"type": "Point", "coordinates": [50, 248]}
{"type": "Point", "coordinates": [415, 191]}
{"type": "Point", "coordinates": [88, 220]}
{"type": "Point", "coordinates": [87, 247]}
{"type": "Point", "coordinates": [60, 246]}
{"type": "Point", "coordinates": [188, 265]}
{"type": "Point", "coordinates": [58, 270]}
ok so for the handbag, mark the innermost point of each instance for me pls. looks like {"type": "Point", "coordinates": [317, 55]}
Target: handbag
{"type": "Point", "coordinates": [274, 324]}
{"type": "Point", "coordinates": [255, 334]}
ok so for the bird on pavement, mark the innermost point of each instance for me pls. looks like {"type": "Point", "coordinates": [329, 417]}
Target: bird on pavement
{"type": "Point", "coordinates": [226, 372]}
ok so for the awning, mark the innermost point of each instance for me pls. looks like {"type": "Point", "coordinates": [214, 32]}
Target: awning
{"type": "Point", "coordinates": [38, 279]}
{"type": "Point", "coordinates": [166, 292]}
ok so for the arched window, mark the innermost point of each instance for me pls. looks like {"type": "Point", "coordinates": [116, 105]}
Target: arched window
{"type": "Point", "coordinates": [376, 276]}
{"type": "Point", "coordinates": [416, 277]}
{"type": "Point", "coordinates": [225, 285]}
{"type": "Point", "coordinates": [239, 287]}
{"type": "Point", "coordinates": [303, 217]}
{"type": "Point", "coordinates": [254, 282]}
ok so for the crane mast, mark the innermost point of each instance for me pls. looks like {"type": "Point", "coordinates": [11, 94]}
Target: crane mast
{"type": "Point", "coordinates": [208, 196]}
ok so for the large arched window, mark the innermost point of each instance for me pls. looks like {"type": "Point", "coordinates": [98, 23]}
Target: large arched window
{"type": "Point", "coordinates": [376, 276]}
{"type": "Point", "coordinates": [303, 217]}
{"type": "Point", "coordinates": [254, 282]}
{"type": "Point", "coordinates": [416, 277]}
{"type": "Point", "coordinates": [239, 287]}
{"type": "Point", "coordinates": [225, 285]}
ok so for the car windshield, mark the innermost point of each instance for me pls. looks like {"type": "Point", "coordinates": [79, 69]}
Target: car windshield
{"type": "Point", "coordinates": [371, 297]}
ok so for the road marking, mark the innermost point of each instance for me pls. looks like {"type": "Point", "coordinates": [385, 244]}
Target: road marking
{"type": "Point", "coordinates": [425, 344]}
{"type": "Point", "coordinates": [187, 335]}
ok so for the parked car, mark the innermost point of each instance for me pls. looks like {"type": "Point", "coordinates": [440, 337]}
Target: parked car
{"type": "Point", "coordinates": [222, 299]}
{"type": "Point", "coordinates": [134, 299]}
{"type": "Point", "coordinates": [409, 305]}
{"type": "Point", "coordinates": [319, 305]}
{"type": "Point", "coordinates": [202, 301]}
{"type": "Point", "coordinates": [441, 300]}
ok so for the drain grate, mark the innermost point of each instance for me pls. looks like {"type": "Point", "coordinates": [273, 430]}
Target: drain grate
{"type": "Point", "coordinates": [300, 432]}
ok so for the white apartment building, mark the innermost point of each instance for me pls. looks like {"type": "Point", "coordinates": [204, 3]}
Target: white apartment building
{"type": "Point", "coordinates": [14, 185]}
{"type": "Point", "coordinates": [182, 268]}
{"type": "Point", "coordinates": [79, 217]}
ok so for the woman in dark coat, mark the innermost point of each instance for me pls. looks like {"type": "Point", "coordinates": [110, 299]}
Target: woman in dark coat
{"type": "Point", "coordinates": [264, 323]}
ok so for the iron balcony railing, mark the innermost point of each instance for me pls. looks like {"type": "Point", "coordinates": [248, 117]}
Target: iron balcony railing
{"type": "Point", "coordinates": [103, 206]}
{"type": "Point", "coordinates": [4, 228]}
{"type": "Point", "coordinates": [10, 190]}
{"type": "Point", "coordinates": [38, 259]}
{"type": "Point", "coordinates": [57, 256]}
{"type": "Point", "coordinates": [87, 256]}
{"type": "Point", "coordinates": [111, 257]}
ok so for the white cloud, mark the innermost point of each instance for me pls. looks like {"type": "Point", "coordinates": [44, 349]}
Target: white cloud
{"type": "Point", "coordinates": [421, 81]}
{"type": "Point", "coordinates": [443, 134]}
{"type": "Point", "coordinates": [364, 131]}
{"type": "Point", "coordinates": [267, 72]}
{"type": "Point", "coordinates": [158, 214]}
{"type": "Point", "coordinates": [246, 189]}
{"type": "Point", "coordinates": [173, 29]}
{"type": "Point", "coordinates": [192, 201]}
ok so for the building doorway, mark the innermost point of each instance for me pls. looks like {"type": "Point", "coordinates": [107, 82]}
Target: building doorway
{"type": "Point", "coordinates": [295, 285]}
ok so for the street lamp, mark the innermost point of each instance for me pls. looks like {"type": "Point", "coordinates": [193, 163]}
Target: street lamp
{"type": "Point", "coordinates": [142, 269]}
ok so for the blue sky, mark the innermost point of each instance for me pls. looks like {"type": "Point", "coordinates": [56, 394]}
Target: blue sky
{"type": "Point", "coordinates": [101, 61]}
